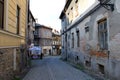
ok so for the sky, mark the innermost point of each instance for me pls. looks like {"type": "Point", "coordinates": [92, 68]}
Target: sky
{"type": "Point", "coordinates": [47, 12]}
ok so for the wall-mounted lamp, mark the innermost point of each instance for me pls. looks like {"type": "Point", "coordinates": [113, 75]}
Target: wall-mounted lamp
{"type": "Point", "coordinates": [108, 6]}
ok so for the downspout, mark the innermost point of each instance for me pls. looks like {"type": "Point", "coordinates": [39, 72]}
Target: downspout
{"type": "Point", "coordinates": [27, 21]}
{"type": "Point", "coordinates": [26, 32]}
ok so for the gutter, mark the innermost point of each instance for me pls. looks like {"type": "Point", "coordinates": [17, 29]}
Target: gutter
{"type": "Point", "coordinates": [65, 8]}
{"type": "Point", "coordinates": [67, 5]}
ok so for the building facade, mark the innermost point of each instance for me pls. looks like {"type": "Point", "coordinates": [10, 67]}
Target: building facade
{"type": "Point", "coordinates": [92, 37]}
{"type": "Point", "coordinates": [43, 38]}
{"type": "Point", "coordinates": [13, 21]}
{"type": "Point", "coordinates": [30, 28]}
{"type": "Point", "coordinates": [56, 43]}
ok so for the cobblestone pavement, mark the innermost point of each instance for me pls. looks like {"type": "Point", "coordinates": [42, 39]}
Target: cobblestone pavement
{"type": "Point", "coordinates": [52, 68]}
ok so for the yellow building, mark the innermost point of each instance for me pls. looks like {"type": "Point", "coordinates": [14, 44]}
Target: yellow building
{"type": "Point", "coordinates": [13, 22]}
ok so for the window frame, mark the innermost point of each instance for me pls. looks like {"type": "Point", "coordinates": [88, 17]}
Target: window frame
{"type": "Point", "coordinates": [76, 10]}
{"type": "Point", "coordinates": [2, 25]}
{"type": "Point", "coordinates": [103, 34]}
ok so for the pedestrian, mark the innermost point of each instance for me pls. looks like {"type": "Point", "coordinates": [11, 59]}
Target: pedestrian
{"type": "Point", "coordinates": [41, 56]}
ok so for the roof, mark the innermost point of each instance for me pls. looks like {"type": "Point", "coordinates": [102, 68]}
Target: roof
{"type": "Point", "coordinates": [42, 26]}
{"type": "Point", "coordinates": [65, 8]}
{"type": "Point", "coordinates": [37, 24]}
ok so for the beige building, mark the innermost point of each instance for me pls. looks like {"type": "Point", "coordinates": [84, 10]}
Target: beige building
{"type": "Point", "coordinates": [43, 38]}
{"type": "Point", "coordinates": [92, 39]}
{"type": "Point", "coordinates": [56, 43]}
{"type": "Point", "coordinates": [13, 21]}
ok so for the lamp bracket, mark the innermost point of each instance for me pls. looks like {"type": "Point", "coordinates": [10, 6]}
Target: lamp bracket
{"type": "Point", "coordinates": [108, 6]}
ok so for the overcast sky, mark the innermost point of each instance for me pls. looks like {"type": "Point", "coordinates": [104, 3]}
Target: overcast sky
{"type": "Point", "coordinates": [48, 12]}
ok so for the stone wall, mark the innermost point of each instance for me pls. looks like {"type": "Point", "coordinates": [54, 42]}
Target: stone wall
{"type": "Point", "coordinates": [8, 63]}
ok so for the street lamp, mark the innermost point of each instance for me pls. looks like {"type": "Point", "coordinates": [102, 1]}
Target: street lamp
{"type": "Point", "coordinates": [108, 6]}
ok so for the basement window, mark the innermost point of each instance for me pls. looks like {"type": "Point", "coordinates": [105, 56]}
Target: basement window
{"type": "Point", "coordinates": [101, 68]}
{"type": "Point", "coordinates": [76, 58]}
{"type": "Point", "coordinates": [88, 63]}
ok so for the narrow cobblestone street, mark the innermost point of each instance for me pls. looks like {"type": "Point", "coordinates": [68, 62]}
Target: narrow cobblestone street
{"type": "Point", "coordinates": [52, 68]}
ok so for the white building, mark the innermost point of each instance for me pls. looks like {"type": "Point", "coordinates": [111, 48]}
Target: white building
{"type": "Point", "coordinates": [91, 35]}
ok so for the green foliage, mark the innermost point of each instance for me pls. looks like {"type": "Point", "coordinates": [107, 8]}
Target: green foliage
{"type": "Point", "coordinates": [80, 67]}
{"type": "Point", "coordinates": [16, 78]}
{"type": "Point", "coordinates": [29, 62]}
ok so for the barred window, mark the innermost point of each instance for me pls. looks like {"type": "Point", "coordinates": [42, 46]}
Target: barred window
{"type": "Point", "coordinates": [1, 13]}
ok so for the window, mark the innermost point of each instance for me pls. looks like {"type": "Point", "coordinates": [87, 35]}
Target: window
{"type": "Point", "coordinates": [36, 32]}
{"type": "Point", "coordinates": [78, 38]}
{"type": "Point", "coordinates": [66, 38]}
{"type": "Point", "coordinates": [63, 42]}
{"type": "Point", "coordinates": [68, 41]}
{"type": "Point", "coordinates": [76, 58]}
{"type": "Point", "coordinates": [86, 29]}
{"type": "Point", "coordinates": [62, 19]}
{"type": "Point", "coordinates": [76, 10]}
{"type": "Point", "coordinates": [1, 13]}
{"type": "Point", "coordinates": [36, 42]}
{"type": "Point", "coordinates": [71, 16]}
{"type": "Point", "coordinates": [18, 20]}
{"type": "Point", "coordinates": [76, 1]}
{"type": "Point", "coordinates": [102, 34]}
{"type": "Point", "coordinates": [72, 40]}
{"type": "Point", "coordinates": [71, 21]}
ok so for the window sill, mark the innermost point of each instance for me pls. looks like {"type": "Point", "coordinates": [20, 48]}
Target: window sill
{"type": "Point", "coordinates": [105, 51]}
{"type": "Point", "coordinates": [10, 33]}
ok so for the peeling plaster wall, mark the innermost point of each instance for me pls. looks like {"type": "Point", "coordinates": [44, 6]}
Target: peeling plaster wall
{"type": "Point", "coordinates": [89, 48]}
{"type": "Point", "coordinates": [113, 27]}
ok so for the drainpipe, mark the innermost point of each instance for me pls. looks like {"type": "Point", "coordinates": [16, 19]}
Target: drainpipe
{"type": "Point", "coordinates": [26, 29]}
{"type": "Point", "coordinates": [27, 20]}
